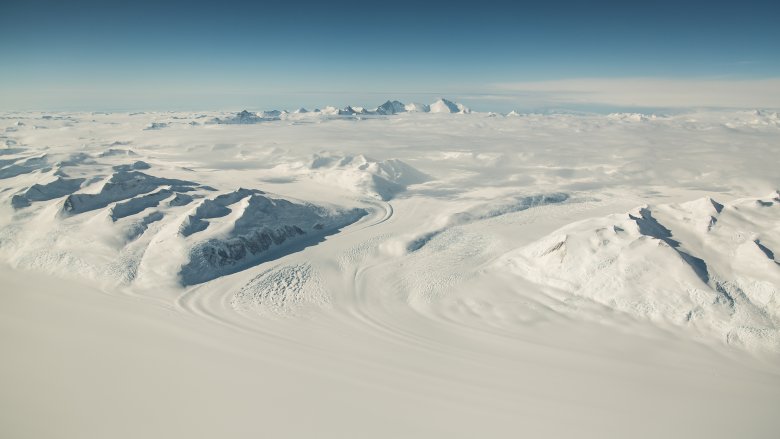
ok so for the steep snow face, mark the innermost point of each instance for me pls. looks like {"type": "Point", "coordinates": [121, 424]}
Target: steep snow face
{"type": "Point", "coordinates": [391, 107]}
{"type": "Point", "coordinates": [263, 224]}
{"type": "Point", "coordinates": [445, 106]}
{"type": "Point", "coordinates": [15, 167]}
{"type": "Point", "coordinates": [121, 186]}
{"type": "Point", "coordinates": [347, 111]}
{"type": "Point", "coordinates": [49, 191]}
{"type": "Point", "coordinates": [708, 267]}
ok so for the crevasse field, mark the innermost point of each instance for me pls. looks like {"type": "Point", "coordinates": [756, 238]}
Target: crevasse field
{"type": "Point", "coordinates": [426, 273]}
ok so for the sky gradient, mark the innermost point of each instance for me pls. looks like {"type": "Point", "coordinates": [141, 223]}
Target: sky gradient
{"type": "Point", "coordinates": [107, 55]}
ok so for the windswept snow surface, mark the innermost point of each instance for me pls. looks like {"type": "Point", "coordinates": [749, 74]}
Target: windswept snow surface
{"type": "Point", "coordinates": [389, 273]}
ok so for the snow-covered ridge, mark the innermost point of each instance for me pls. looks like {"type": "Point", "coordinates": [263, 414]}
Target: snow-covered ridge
{"type": "Point", "coordinates": [708, 267]}
{"type": "Point", "coordinates": [382, 179]}
{"type": "Point", "coordinates": [263, 224]}
{"type": "Point", "coordinates": [388, 108]}
{"type": "Point", "coordinates": [359, 174]}
{"type": "Point", "coordinates": [119, 228]}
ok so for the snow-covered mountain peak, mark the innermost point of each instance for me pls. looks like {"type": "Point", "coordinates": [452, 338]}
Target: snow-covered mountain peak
{"type": "Point", "coordinates": [391, 107]}
{"type": "Point", "coordinates": [445, 106]}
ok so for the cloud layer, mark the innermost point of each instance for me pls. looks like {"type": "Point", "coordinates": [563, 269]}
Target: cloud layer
{"type": "Point", "coordinates": [651, 92]}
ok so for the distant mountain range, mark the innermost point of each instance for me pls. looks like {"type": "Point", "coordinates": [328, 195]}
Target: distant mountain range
{"type": "Point", "coordinates": [388, 108]}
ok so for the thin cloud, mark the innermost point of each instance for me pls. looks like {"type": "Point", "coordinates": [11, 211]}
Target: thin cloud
{"type": "Point", "coordinates": [653, 92]}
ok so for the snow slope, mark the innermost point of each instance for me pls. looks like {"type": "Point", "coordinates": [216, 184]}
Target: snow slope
{"type": "Point", "coordinates": [445, 106]}
{"type": "Point", "coordinates": [389, 275]}
{"type": "Point", "coordinates": [382, 179]}
{"type": "Point", "coordinates": [704, 266]}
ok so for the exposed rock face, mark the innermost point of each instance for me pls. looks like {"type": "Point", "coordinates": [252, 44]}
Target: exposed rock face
{"type": "Point", "coordinates": [222, 234]}
{"type": "Point", "coordinates": [43, 192]}
{"type": "Point", "coordinates": [264, 224]}
{"type": "Point", "coordinates": [391, 107]}
{"type": "Point", "coordinates": [121, 186]}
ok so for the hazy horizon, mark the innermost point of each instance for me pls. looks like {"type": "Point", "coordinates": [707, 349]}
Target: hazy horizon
{"type": "Point", "coordinates": [88, 55]}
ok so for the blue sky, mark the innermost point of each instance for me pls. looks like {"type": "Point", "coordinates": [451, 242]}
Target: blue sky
{"type": "Point", "coordinates": [110, 55]}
